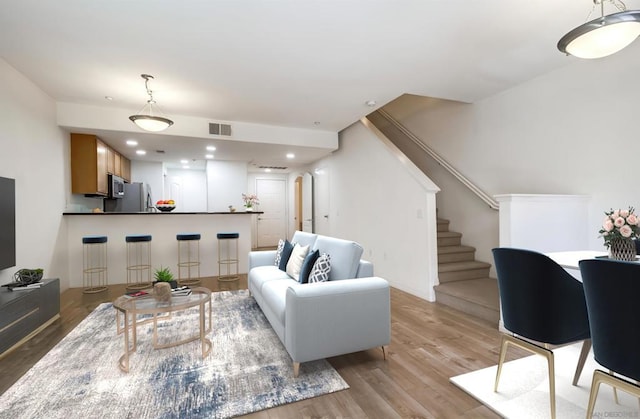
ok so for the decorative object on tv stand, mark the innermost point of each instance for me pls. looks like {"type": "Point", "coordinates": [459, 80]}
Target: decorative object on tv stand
{"type": "Point", "coordinates": [619, 230]}
{"type": "Point", "coordinates": [232, 208]}
{"type": "Point", "coordinates": [250, 201]}
{"type": "Point", "coordinates": [28, 276]}
{"type": "Point", "coordinates": [146, 119]}
{"type": "Point", "coordinates": [605, 35]}
{"type": "Point", "coordinates": [164, 275]}
{"type": "Point", "coordinates": [166, 205]}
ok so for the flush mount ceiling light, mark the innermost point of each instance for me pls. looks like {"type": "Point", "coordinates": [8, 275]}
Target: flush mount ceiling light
{"type": "Point", "coordinates": [603, 36]}
{"type": "Point", "coordinates": [146, 119]}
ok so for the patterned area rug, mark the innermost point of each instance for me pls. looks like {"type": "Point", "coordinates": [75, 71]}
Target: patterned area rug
{"type": "Point", "coordinates": [247, 370]}
{"type": "Point", "coordinates": [523, 392]}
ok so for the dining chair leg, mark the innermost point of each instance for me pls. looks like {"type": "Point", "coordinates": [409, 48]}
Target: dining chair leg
{"type": "Point", "coordinates": [615, 391]}
{"type": "Point", "coordinates": [503, 353]}
{"type": "Point", "coordinates": [586, 347]}
{"type": "Point", "coordinates": [595, 386]}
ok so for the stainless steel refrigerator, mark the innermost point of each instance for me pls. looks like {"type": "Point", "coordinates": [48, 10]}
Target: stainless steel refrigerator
{"type": "Point", "coordinates": [137, 198]}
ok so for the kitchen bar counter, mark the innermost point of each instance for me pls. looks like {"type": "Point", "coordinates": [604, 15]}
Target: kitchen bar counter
{"type": "Point", "coordinates": [160, 212]}
{"type": "Point", "coordinates": [163, 227]}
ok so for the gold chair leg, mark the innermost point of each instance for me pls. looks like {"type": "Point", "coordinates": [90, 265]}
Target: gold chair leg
{"type": "Point", "coordinates": [296, 369]}
{"type": "Point", "coordinates": [595, 386]}
{"type": "Point", "coordinates": [586, 347]}
{"type": "Point", "coordinates": [503, 353]}
{"type": "Point", "coordinates": [548, 354]}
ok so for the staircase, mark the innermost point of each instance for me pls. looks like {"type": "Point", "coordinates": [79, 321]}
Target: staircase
{"type": "Point", "coordinates": [465, 284]}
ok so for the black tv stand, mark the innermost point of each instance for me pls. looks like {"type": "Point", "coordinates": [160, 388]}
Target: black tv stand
{"type": "Point", "coordinates": [24, 313]}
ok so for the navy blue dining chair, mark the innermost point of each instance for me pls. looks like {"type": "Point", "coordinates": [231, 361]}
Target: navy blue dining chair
{"type": "Point", "coordinates": [612, 291]}
{"type": "Point", "coordinates": [542, 305]}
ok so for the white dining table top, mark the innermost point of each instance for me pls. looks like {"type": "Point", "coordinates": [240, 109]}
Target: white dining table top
{"type": "Point", "coordinates": [571, 259]}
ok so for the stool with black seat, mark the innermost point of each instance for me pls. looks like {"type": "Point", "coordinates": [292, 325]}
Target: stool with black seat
{"type": "Point", "coordinates": [188, 257]}
{"type": "Point", "coordinates": [94, 264]}
{"type": "Point", "coordinates": [227, 258]}
{"type": "Point", "coordinates": [138, 261]}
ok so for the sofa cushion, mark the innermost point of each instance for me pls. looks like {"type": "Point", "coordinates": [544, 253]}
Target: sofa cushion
{"type": "Point", "coordinates": [304, 238]}
{"type": "Point", "coordinates": [321, 269]}
{"type": "Point", "coordinates": [261, 274]}
{"type": "Point", "coordinates": [279, 250]}
{"type": "Point", "coordinates": [286, 253]}
{"type": "Point", "coordinates": [345, 256]}
{"type": "Point", "coordinates": [307, 266]}
{"type": "Point", "coordinates": [296, 259]}
{"type": "Point", "coordinates": [274, 295]}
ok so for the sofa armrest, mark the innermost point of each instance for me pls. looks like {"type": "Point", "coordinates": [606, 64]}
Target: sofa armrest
{"type": "Point", "coordinates": [365, 269]}
{"type": "Point", "coordinates": [336, 317]}
{"type": "Point", "coordinates": [261, 258]}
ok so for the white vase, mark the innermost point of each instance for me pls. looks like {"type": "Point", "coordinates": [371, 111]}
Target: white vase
{"type": "Point", "coordinates": [249, 209]}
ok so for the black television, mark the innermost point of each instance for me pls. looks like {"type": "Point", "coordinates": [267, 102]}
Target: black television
{"type": "Point", "coordinates": [7, 223]}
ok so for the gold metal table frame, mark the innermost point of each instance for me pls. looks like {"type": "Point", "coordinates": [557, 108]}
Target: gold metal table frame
{"type": "Point", "coordinates": [131, 308]}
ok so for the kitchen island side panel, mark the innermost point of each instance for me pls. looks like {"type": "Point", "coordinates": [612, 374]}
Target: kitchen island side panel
{"type": "Point", "coordinates": [164, 247]}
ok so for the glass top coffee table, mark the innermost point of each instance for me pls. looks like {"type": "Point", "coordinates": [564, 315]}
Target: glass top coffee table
{"type": "Point", "coordinates": [133, 308]}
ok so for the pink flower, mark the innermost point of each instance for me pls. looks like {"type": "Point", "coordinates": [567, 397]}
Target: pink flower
{"type": "Point", "coordinates": [615, 214]}
{"type": "Point", "coordinates": [619, 222]}
{"type": "Point", "coordinates": [625, 231]}
{"type": "Point", "coordinates": [624, 213]}
{"type": "Point", "coordinates": [607, 225]}
{"type": "Point", "coordinates": [632, 219]}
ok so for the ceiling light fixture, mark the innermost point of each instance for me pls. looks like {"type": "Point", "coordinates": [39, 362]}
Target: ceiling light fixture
{"type": "Point", "coordinates": [603, 36]}
{"type": "Point", "coordinates": [147, 120]}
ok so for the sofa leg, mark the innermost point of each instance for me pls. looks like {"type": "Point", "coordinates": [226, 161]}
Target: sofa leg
{"type": "Point", "coordinates": [296, 369]}
{"type": "Point", "coordinates": [384, 353]}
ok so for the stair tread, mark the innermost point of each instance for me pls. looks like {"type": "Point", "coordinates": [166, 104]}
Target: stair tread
{"type": "Point", "coordinates": [443, 234]}
{"type": "Point", "coordinates": [483, 291]}
{"type": "Point", "coordinates": [462, 266]}
{"type": "Point", "coordinates": [455, 249]}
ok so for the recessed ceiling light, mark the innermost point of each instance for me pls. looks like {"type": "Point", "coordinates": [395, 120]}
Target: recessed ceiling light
{"type": "Point", "coordinates": [370, 103]}
{"type": "Point", "coordinates": [108, 97]}
{"type": "Point", "coordinates": [184, 161]}
{"type": "Point", "coordinates": [132, 143]}
{"type": "Point", "coordinates": [291, 155]}
{"type": "Point", "coordinates": [267, 170]}
{"type": "Point", "coordinates": [209, 156]}
{"type": "Point", "coordinates": [141, 152]}
{"type": "Point", "coordinates": [211, 148]}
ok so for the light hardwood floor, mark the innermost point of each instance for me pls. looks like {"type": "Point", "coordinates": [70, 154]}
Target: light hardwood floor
{"type": "Point", "coordinates": [430, 343]}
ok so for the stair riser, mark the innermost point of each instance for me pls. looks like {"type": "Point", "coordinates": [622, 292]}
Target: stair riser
{"type": "Point", "coordinates": [468, 307]}
{"type": "Point", "coordinates": [449, 241]}
{"type": "Point", "coordinates": [463, 275]}
{"type": "Point", "coordinates": [456, 257]}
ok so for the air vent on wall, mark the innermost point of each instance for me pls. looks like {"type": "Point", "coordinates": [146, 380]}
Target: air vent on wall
{"type": "Point", "coordinates": [273, 167]}
{"type": "Point", "coordinates": [219, 129]}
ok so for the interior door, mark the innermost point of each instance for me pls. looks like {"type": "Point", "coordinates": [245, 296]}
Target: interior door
{"type": "Point", "coordinates": [307, 203]}
{"type": "Point", "coordinates": [321, 202]}
{"type": "Point", "coordinates": [271, 225]}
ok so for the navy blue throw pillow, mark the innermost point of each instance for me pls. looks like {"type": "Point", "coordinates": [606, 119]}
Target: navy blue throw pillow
{"type": "Point", "coordinates": [307, 265]}
{"type": "Point", "coordinates": [286, 254]}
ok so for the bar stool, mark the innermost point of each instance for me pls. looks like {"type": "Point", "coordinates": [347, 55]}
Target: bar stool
{"type": "Point", "coordinates": [138, 261]}
{"type": "Point", "coordinates": [188, 257]}
{"type": "Point", "coordinates": [229, 259]}
{"type": "Point", "coordinates": [94, 264]}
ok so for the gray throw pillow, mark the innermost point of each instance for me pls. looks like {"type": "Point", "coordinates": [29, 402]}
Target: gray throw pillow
{"type": "Point", "coordinates": [321, 269]}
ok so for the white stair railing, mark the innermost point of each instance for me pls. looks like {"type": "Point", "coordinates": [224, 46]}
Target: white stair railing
{"type": "Point", "coordinates": [488, 199]}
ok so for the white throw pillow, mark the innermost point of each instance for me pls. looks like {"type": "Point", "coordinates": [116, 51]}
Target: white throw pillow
{"type": "Point", "coordinates": [295, 261]}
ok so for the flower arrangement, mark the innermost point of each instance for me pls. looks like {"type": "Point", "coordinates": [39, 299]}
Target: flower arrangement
{"type": "Point", "coordinates": [619, 224]}
{"type": "Point", "coordinates": [250, 200]}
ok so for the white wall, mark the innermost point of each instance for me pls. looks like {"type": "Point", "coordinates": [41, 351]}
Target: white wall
{"type": "Point", "coordinates": [35, 152]}
{"type": "Point", "coordinates": [378, 203]}
{"type": "Point", "coordinates": [572, 131]}
{"type": "Point", "coordinates": [226, 182]}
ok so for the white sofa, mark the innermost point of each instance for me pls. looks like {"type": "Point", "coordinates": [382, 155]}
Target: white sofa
{"type": "Point", "coordinates": [348, 313]}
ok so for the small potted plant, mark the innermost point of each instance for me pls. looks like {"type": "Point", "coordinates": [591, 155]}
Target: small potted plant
{"type": "Point", "coordinates": [250, 201]}
{"type": "Point", "coordinates": [165, 275]}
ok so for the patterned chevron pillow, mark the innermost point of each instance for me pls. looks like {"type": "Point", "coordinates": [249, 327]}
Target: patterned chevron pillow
{"type": "Point", "coordinates": [321, 269]}
{"type": "Point", "coordinates": [279, 252]}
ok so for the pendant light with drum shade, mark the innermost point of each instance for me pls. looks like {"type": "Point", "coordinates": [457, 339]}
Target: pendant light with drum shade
{"type": "Point", "coordinates": [603, 36]}
{"type": "Point", "coordinates": [147, 119]}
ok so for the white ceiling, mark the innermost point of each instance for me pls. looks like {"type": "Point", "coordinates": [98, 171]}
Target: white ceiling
{"type": "Point", "coordinates": [292, 63]}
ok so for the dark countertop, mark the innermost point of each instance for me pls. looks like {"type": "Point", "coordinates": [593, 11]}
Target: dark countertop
{"type": "Point", "coordinates": [164, 213]}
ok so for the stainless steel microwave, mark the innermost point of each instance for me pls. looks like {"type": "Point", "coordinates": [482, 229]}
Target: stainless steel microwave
{"type": "Point", "coordinates": [116, 187]}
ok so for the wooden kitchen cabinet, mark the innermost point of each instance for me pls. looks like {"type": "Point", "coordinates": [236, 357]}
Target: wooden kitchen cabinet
{"type": "Point", "coordinates": [89, 165]}
{"type": "Point", "coordinates": [125, 168]}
